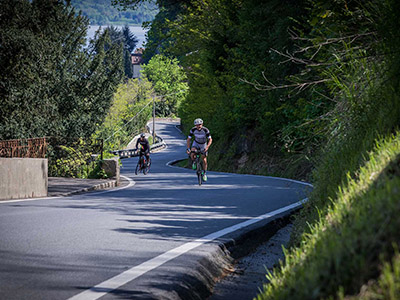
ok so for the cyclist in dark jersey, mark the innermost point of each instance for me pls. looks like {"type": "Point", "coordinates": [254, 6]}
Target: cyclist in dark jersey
{"type": "Point", "coordinates": [201, 140]}
{"type": "Point", "coordinates": [144, 146]}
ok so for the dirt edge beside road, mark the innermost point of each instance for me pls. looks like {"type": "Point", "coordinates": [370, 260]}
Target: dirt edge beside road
{"type": "Point", "coordinates": [199, 282]}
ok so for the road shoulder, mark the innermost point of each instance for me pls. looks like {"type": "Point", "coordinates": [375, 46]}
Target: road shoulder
{"type": "Point", "coordinates": [62, 186]}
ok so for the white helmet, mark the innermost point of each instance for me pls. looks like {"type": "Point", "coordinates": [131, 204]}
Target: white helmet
{"type": "Point", "coordinates": [198, 121]}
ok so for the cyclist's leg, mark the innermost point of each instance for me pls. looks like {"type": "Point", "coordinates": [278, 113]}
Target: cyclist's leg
{"type": "Point", "coordinates": [140, 159]}
{"type": "Point", "coordinates": [204, 160]}
{"type": "Point", "coordinates": [193, 158]}
{"type": "Point", "coordinates": [195, 147]}
{"type": "Point", "coordinates": [202, 147]}
{"type": "Point", "coordinates": [192, 155]}
{"type": "Point", "coordinates": [147, 157]}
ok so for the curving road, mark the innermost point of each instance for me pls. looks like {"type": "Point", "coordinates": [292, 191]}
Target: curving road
{"type": "Point", "coordinates": [142, 241]}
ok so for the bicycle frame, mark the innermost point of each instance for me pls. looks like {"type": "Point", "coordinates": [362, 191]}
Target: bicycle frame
{"type": "Point", "coordinates": [142, 164]}
{"type": "Point", "coordinates": [199, 164]}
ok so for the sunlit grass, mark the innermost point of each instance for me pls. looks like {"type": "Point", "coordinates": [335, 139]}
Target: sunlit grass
{"type": "Point", "coordinates": [349, 244]}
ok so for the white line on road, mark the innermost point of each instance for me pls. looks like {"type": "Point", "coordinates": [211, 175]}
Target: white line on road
{"type": "Point", "coordinates": [115, 282]}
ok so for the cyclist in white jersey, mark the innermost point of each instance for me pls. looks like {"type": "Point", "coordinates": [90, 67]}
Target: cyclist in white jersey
{"type": "Point", "coordinates": [201, 140]}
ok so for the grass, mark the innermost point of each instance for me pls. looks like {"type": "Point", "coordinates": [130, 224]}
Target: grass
{"type": "Point", "coordinates": [184, 163]}
{"type": "Point", "coordinates": [353, 242]}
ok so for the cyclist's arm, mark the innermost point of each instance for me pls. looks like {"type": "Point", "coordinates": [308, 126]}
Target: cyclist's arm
{"type": "Point", "coordinates": [188, 141]}
{"type": "Point", "coordinates": [209, 143]}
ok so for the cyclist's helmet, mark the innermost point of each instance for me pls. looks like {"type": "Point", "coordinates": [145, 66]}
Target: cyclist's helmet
{"type": "Point", "coordinates": [142, 135]}
{"type": "Point", "coordinates": [198, 121]}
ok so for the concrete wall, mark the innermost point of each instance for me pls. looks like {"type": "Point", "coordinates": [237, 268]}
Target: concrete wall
{"type": "Point", "coordinates": [23, 178]}
{"type": "Point", "coordinates": [136, 71]}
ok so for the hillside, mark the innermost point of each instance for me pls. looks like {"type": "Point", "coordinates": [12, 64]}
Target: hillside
{"type": "Point", "coordinates": [101, 12]}
{"type": "Point", "coordinates": [308, 90]}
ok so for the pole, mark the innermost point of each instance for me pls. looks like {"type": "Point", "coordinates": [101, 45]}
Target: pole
{"type": "Point", "coordinates": [154, 122]}
{"type": "Point", "coordinates": [101, 154]}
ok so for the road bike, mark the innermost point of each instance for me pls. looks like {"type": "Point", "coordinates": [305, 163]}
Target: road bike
{"type": "Point", "coordinates": [143, 165]}
{"type": "Point", "coordinates": [199, 164]}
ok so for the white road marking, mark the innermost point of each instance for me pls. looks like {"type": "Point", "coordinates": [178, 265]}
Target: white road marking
{"type": "Point", "coordinates": [131, 183]}
{"type": "Point", "coordinates": [115, 282]}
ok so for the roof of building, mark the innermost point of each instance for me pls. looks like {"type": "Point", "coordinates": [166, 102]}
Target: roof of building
{"type": "Point", "coordinates": [137, 56]}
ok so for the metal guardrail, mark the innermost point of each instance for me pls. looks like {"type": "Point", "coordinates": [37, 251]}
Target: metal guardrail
{"type": "Point", "coordinates": [134, 153]}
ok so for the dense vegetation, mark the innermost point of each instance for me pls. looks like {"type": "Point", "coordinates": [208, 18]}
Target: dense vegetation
{"type": "Point", "coordinates": [130, 110]}
{"type": "Point", "coordinates": [100, 12]}
{"type": "Point", "coordinates": [170, 84]}
{"type": "Point", "coordinates": [50, 84]}
{"type": "Point", "coordinates": [305, 89]}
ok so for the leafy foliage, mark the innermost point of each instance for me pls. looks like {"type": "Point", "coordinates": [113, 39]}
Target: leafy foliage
{"type": "Point", "coordinates": [50, 85]}
{"type": "Point", "coordinates": [130, 110]}
{"type": "Point", "coordinates": [169, 82]}
{"type": "Point", "coordinates": [75, 158]}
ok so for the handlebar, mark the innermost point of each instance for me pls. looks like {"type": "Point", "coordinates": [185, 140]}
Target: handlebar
{"type": "Point", "coordinates": [197, 152]}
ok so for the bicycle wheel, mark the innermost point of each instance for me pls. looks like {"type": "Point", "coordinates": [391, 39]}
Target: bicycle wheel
{"type": "Point", "coordinates": [199, 177]}
{"type": "Point", "coordinates": [147, 168]}
{"type": "Point", "coordinates": [137, 168]}
{"type": "Point", "coordinates": [199, 172]}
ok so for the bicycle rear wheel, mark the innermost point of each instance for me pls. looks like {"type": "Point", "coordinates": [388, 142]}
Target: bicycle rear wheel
{"type": "Point", "coordinates": [147, 168]}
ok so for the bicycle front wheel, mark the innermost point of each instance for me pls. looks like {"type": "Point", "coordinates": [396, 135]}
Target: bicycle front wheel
{"type": "Point", "coordinates": [199, 178]}
{"type": "Point", "coordinates": [137, 169]}
{"type": "Point", "coordinates": [199, 172]}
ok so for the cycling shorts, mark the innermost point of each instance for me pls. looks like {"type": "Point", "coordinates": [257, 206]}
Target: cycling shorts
{"type": "Point", "coordinates": [145, 152]}
{"type": "Point", "coordinates": [199, 146]}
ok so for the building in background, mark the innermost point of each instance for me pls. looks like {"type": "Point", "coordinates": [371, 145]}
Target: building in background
{"type": "Point", "coordinates": [137, 60]}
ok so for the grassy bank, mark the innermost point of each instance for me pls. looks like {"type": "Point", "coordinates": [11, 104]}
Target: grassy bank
{"type": "Point", "coordinates": [353, 249]}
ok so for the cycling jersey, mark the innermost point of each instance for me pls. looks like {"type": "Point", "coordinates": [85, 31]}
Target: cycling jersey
{"type": "Point", "coordinates": [200, 136]}
{"type": "Point", "coordinates": [145, 144]}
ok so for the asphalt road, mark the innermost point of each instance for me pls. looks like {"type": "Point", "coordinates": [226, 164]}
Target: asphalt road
{"type": "Point", "coordinates": [142, 241]}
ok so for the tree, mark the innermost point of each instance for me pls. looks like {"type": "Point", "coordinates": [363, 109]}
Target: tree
{"type": "Point", "coordinates": [50, 84]}
{"type": "Point", "coordinates": [130, 39]}
{"type": "Point", "coordinates": [169, 81]}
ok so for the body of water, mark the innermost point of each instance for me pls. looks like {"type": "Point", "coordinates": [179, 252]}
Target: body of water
{"type": "Point", "coordinates": [138, 31]}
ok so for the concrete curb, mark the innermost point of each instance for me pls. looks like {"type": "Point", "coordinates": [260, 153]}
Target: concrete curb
{"type": "Point", "coordinates": [101, 186]}
{"type": "Point", "coordinates": [198, 283]}
{"type": "Point", "coordinates": [105, 185]}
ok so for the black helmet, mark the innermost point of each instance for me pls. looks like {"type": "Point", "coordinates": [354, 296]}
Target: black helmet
{"type": "Point", "coordinates": [142, 135]}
